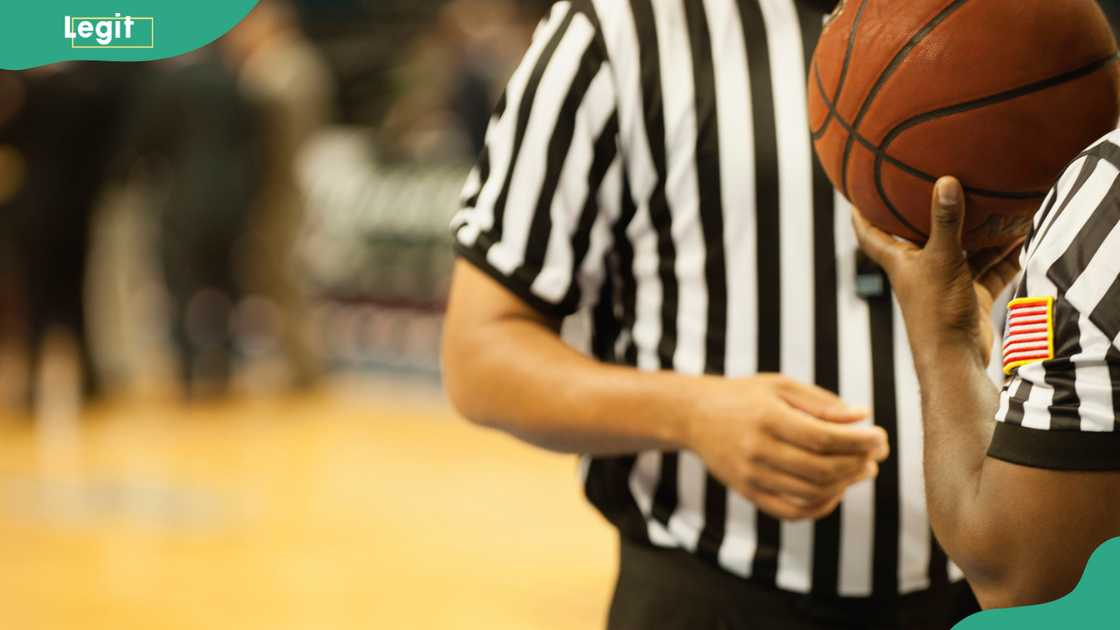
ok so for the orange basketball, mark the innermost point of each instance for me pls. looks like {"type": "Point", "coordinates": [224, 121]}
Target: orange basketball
{"type": "Point", "coordinates": [1001, 94]}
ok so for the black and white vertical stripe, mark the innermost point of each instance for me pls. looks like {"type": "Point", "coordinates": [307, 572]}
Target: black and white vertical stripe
{"type": "Point", "coordinates": [649, 176]}
{"type": "Point", "coordinates": [1071, 256]}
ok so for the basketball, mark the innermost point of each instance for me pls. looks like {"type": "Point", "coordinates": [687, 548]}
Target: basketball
{"type": "Point", "coordinates": [1001, 94]}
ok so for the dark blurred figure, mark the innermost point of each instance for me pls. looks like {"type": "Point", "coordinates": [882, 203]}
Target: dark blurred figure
{"type": "Point", "coordinates": [60, 127]}
{"type": "Point", "coordinates": [283, 76]}
{"type": "Point", "coordinates": [215, 146]}
{"type": "Point", "coordinates": [196, 143]}
{"type": "Point", "coordinates": [452, 78]}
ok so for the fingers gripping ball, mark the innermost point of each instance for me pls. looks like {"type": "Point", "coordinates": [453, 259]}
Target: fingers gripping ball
{"type": "Point", "coordinates": [1001, 94]}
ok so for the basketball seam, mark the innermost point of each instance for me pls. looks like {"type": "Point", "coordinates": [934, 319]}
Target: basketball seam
{"type": "Point", "coordinates": [870, 146]}
{"type": "Point", "coordinates": [887, 73]}
{"type": "Point", "coordinates": [883, 156]}
{"type": "Point", "coordinates": [979, 103]}
{"type": "Point", "coordinates": [843, 70]}
{"type": "Point", "coordinates": [878, 151]}
{"type": "Point", "coordinates": [1000, 97]}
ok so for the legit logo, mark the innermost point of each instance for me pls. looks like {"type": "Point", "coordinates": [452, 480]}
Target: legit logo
{"type": "Point", "coordinates": [111, 32]}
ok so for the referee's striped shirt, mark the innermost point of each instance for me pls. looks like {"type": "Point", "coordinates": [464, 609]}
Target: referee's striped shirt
{"type": "Point", "coordinates": [648, 176]}
{"type": "Point", "coordinates": [1062, 410]}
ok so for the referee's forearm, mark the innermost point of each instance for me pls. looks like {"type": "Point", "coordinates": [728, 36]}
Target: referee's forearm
{"type": "Point", "coordinates": [518, 376]}
{"type": "Point", "coordinates": [958, 406]}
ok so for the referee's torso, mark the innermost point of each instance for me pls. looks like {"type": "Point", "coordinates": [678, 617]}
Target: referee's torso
{"type": "Point", "coordinates": [649, 176]}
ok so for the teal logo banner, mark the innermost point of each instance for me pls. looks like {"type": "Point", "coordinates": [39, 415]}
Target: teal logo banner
{"type": "Point", "coordinates": [50, 31]}
{"type": "Point", "coordinates": [1093, 605]}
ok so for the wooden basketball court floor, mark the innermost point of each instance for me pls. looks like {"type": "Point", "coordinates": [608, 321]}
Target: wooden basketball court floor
{"type": "Point", "coordinates": [370, 507]}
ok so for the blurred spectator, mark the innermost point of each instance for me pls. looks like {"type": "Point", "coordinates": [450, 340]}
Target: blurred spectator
{"type": "Point", "coordinates": [217, 137]}
{"type": "Point", "coordinates": [197, 142]}
{"type": "Point", "coordinates": [13, 350]}
{"type": "Point", "coordinates": [59, 128]}
{"type": "Point", "coordinates": [283, 76]}
{"type": "Point", "coordinates": [450, 82]}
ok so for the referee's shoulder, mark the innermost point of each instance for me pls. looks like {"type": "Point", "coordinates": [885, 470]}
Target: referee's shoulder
{"type": "Point", "coordinates": [1107, 149]}
{"type": "Point", "coordinates": [591, 10]}
{"type": "Point", "coordinates": [610, 19]}
{"type": "Point", "coordinates": [1101, 161]}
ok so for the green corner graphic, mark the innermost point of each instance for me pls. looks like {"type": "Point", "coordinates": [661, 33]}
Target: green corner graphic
{"type": "Point", "coordinates": [51, 31]}
{"type": "Point", "coordinates": [1093, 605]}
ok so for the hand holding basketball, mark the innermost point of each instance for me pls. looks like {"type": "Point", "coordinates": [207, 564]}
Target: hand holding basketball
{"type": "Point", "coordinates": [901, 92]}
{"type": "Point", "coordinates": [945, 296]}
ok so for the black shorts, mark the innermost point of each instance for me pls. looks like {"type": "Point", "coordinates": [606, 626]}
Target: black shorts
{"type": "Point", "coordinates": [673, 590]}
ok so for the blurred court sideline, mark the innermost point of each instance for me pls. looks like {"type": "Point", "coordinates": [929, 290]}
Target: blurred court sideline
{"type": "Point", "coordinates": [357, 506]}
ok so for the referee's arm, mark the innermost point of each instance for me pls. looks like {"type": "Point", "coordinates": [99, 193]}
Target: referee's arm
{"type": "Point", "coordinates": [506, 367]}
{"type": "Point", "coordinates": [1022, 514]}
{"type": "Point", "coordinates": [533, 243]}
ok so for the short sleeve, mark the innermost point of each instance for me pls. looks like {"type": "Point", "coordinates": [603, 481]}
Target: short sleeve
{"type": "Point", "coordinates": [1061, 406]}
{"type": "Point", "coordinates": [538, 207]}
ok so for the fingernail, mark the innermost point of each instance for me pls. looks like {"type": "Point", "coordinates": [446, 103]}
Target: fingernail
{"type": "Point", "coordinates": [948, 192]}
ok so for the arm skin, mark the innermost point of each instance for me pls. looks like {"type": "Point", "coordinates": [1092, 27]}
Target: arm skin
{"type": "Point", "coordinates": [506, 368]}
{"type": "Point", "coordinates": [790, 448]}
{"type": "Point", "coordinates": [1021, 535]}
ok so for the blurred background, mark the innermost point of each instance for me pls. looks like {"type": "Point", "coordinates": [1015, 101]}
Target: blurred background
{"type": "Point", "coordinates": [221, 285]}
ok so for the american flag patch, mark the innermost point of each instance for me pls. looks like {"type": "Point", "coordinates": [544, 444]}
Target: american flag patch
{"type": "Point", "coordinates": [1030, 333]}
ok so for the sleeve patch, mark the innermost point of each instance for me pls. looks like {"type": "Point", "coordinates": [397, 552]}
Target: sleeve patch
{"type": "Point", "coordinates": [1030, 332]}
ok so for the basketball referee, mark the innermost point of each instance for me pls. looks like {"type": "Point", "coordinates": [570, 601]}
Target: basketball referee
{"type": "Point", "coordinates": [654, 273]}
{"type": "Point", "coordinates": [1021, 502]}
